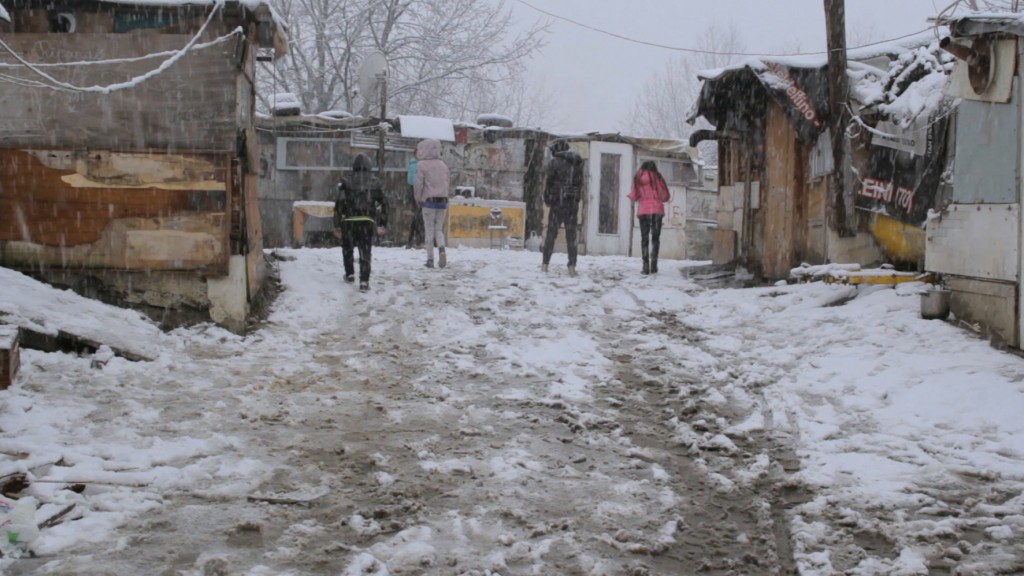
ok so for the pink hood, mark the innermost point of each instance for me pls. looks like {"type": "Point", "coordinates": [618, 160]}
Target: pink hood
{"type": "Point", "coordinates": [432, 177]}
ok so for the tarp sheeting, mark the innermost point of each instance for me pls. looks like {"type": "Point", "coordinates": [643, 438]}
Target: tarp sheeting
{"type": "Point", "coordinates": [802, 93]}
{"type": "Point", "coordinates": [427, 127]}
{"type": "Point", "coordinates": [904, 171]}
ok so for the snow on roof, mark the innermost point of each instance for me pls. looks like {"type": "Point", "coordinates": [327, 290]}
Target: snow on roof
{"type": "Point", "coordinates": [252, 5]}
{"type": "Point", "coordinates": [666, 145]}
{"type": "Point", "coordinates": [862, 54]}
{"type": "Point", "coordinates": [285, 102]}
{"type": "Point", "coordinates": [427, 127]}
{"type": "Point", "coordinates": [902, 79]}
{"type": "Point", "coordinates": [4, 15]}
{"type": "Point", "coordinates": [495, 120]}
{"type": "Point", "coordinates": [986, 22]}
{"type": "Point", "coordinates": [912, 87]}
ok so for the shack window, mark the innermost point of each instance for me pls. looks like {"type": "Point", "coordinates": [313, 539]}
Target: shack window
{"type": "Point", "coordinates": [608, 202]}
{"type": "Point", "coordinates": [310, 153]}
{"type": "Point", "coordinates": [325, 154]}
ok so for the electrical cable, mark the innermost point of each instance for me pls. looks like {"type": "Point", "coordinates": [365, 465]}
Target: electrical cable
{"type": "Point", "coordinates": [702, 51]}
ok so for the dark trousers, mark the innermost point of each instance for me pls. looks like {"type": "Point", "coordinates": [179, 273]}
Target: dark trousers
{"type": "Point", "coordinates": [650, 235]}
{"type": "Point", "coordinates": [561, 216]}
{"type": "Point", "coordinates": [358, 235]}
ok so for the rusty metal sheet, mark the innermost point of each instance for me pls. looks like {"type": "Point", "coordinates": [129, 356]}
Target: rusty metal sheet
{"type": "Point", "coordinates": [103, 209]}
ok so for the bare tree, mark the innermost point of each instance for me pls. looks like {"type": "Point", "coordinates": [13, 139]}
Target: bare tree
{"type": "Point", "coordinates": [327, 38]}
{"type": "Point", "coordinates": [449, 58]}
{"type": "Point", "coordinates": [665, 102]}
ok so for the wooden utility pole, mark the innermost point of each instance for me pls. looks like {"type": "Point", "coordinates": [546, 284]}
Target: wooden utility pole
{"type": "Point", "coordinates": [382, 86]}
{"type": "Point", "coordinates": [840, 212]}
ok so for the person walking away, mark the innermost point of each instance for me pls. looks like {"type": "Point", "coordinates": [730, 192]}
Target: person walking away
{"type": "Point", "coordinates": [649, 193]}
{"type": "Point", "coordinates": [360, 210]}
{"type": "Point", "coordinates": [416, 226]}
{"type": "Point", "coordinates": [563, 189]}
{"type": "Point", "coordinates": [431, 192]}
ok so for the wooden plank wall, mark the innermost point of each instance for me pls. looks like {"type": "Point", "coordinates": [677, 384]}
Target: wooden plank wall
{"type": "Point", "coordinates": [780, 188]}
{"type": "Point", "coordinates": [813, 249]}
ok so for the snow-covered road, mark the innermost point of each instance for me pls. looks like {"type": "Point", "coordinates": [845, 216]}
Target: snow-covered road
{"type": "Point", "coordinates": [490, 419]}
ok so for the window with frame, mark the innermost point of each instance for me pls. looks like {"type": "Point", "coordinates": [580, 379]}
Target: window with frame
{"type": "Point", "coordinates": [332, 154]}
{"type": "Point", "coordinates": [608, 199]}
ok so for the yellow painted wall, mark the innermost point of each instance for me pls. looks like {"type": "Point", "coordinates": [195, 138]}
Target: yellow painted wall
{"type": "Point", "coordinates": [472, 221]}
{"type": "Point", "coordinates": [900, 242]}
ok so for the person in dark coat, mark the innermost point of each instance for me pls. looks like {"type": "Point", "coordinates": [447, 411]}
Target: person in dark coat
{"type": "Point", "coordinates": [563, 189]}
{"type": "Point", "coordinates": [360, 210]}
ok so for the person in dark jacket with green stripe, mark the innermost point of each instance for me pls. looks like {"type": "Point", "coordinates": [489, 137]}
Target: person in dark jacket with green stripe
{"type": "Point", "coordinates": [360, 211]}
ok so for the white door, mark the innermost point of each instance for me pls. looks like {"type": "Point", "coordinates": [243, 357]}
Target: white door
{"type": "Point", "coordinates": [608, 209]}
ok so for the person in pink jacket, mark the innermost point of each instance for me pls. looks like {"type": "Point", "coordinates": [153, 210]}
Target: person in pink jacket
{"type": "Point", "coordinates": [649, 193]}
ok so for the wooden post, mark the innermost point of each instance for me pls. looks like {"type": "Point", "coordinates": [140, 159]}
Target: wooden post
{"type": "Point", "coordinates": [383, 87]}
{"type": "Point", "coordinates": [840, 218]}
{"type": "Point", "coordinates": [298, 227]}
{"type": "Point", "coordinates": [10, 356]}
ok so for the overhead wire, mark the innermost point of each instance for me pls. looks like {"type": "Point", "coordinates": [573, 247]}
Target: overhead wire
{"type": "Point", "coordinates": [127, 60]}
{"type": "Point", "coordinates": [705, 51]}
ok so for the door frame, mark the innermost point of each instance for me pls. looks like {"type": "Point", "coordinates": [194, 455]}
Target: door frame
{"type": "Point", "coordinates": [618, 243]}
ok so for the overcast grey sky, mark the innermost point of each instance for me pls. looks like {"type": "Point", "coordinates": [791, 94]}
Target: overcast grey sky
{"type": "Point", "coordinates": [595, 77]}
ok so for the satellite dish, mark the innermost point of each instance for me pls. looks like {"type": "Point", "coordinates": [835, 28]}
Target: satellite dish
{"type": "Point", "coordinates": [374, 66]}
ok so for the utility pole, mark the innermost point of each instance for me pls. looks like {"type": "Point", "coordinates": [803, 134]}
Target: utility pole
{"type": "Point", "coordinates": [382, 84]}
{"type": "Point", "coordinates": [840, 213]}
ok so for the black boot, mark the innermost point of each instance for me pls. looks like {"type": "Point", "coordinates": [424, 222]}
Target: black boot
{"type": "Point", "coordinates": [647, 267]}
{"type": "Point", "coordinates": [654, 265]}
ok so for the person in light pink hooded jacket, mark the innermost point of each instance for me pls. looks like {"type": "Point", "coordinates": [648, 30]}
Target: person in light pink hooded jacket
{"type": "Point", "coordinates": [650, 192]}
{"type": "Point", "coordinates": [430, 188]}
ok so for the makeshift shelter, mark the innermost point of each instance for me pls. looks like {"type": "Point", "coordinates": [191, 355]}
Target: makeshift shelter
{"type": "Point", "coordinates": [494, 169]}
{"type": "Point", "coordinates": [771, 119]}
{"type": "Point", "coordinates": [974, 241]}
{"type": "Point", "coordinates": [128, 162]}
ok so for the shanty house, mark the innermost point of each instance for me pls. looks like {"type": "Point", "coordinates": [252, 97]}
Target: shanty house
{"type": "Point", "coordinates": [128, 156]}
{"type": "Point", "coordinates": [974, 241]}
{"type": "Point", "coordinates": [492, 168]}
{"type": "Point", "coordinates": [771, 119]}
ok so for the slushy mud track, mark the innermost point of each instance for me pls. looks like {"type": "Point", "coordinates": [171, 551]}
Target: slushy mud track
{"type": "Point", "coordinates": [400, 448]}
